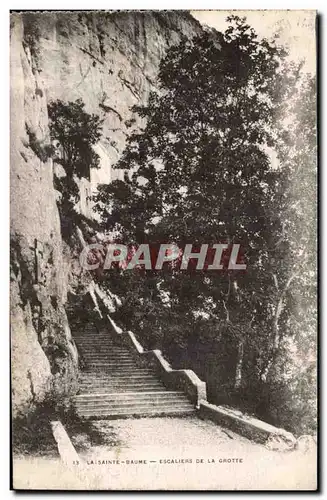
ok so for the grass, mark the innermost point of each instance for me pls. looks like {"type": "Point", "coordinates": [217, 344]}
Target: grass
{"type": "Point", "coordinates": [86, 434]}
{"type": "Point", "coordinates": [32, 434]}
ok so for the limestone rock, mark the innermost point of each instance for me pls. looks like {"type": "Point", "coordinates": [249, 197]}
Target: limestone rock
{"type": "Point", "coordinates": [281, 441]}
{"type": "Point", "coordinates": [110, 60]}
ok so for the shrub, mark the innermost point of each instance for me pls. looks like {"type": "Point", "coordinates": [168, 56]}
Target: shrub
{"type": "Point", "coordinates": [32, 434]}
{"type": "Point", "coordinates": [42, 151]}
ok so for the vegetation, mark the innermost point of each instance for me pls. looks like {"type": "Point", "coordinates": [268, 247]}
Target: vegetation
{"type": "Point", "coordinates": [32, 432]}
{"type": "Point", "coordinates": [74, 133]}
{"type": "Point", "coordinates": [31, 37]}
{"type": "Point", "coordinates": [42, 150]}
{"type": "Point", "coordinates": [201, 171]}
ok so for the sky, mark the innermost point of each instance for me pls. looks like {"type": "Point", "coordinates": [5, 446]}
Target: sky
{"type": "Point", "coordinates": [296, 29]}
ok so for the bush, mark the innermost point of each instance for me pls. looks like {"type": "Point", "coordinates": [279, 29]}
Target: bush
{"type": "Point", "coordinates": [32, 434]}
{"type": "Point", "coordinates": [42, 151]}
{"type": "Point", "coordinates": [32, 36]}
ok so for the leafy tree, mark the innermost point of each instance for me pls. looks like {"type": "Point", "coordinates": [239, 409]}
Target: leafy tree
{"type": "Point", "coordinates": [76, 132]}
{"type": "Point", "coordinates": [291, 369]}
{"type": "Point", "coordinates": [73, 132]}
{"type": "Point", "coordinates": [200, 171]}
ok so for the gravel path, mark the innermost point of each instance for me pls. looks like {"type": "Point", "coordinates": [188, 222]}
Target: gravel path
{"type": "Point", "coordinates": [171, 432]}
{"type": "Point", "coordinates": [166, 454]}
{"type": "Point", "coordinates": [188, 453]}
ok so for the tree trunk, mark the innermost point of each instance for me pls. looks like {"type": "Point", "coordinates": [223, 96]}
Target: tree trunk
{"type": "Point", "coordinates": [239, 365]}
{"type": "Point", "coordinates": [276, 331]}
{"type": "Point", "coordinates": [279, 310]}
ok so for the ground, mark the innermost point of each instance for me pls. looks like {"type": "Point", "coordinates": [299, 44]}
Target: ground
{"type": "Point", "coordinates": [172, 453]}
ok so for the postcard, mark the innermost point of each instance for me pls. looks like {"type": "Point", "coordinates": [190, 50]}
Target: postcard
{"type": "Point", "coordinates": [164, 250]}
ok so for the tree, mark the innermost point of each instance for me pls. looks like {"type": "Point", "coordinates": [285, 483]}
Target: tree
{"type": "Point", "coordinates": [74, 132]}
{"type": "Point", "coordinates": [291, 369]}
{"type": "Point", "coordinates": [200, 171]}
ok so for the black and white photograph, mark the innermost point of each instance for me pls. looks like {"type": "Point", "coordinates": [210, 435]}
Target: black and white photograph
{"type": "Point", "coordinates": [163, 250]}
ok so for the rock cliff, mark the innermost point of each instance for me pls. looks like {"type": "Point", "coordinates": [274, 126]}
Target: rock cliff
{"type": "Point", "coordinates": [110, 61]}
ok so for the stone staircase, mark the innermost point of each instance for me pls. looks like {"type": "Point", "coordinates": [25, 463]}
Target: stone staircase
{"type": "Point", "coordinates": [113, 384]}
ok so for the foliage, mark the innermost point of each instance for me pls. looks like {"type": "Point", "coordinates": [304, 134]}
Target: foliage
{"type": "Point", "coordinates": [293, 377]}
{"type": "Point", "coordinates": [42, 151]}
{"type": "Point", "coordinates": [31, 37]}
{"type": "Point", "coordinates": [32, 431]}
{"type": "Point", "coordinates": [74, 133]}
{"type": "Point", "coordinates": [201, 171]}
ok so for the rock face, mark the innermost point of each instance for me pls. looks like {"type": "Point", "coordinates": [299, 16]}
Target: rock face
{"type": "Point", "coordinates": [110, 60]}
{"type": "Point", "coordinates": [39, 271]}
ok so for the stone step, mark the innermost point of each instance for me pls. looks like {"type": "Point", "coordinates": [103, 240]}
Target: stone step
{"type": "Point", "coordinates": [94, 347]}
{"type": "Point", "coordinates": [120, 376]}
{"type": "Point", "coordinates": [102, 352]}
{"type": "Point", "coordinates": [113, 403]}
{"type": "Point", "coordinates": [106, 368]}
{"type": "Point", "coordinates": [128, 388]}
{"type": "Point", "coordinates": [109, 363]}
{"type": "Point", "coordinates": [101, 345]}
{"type": "Point", "coordinates": [97, 349]}
{"type": "Point", "coordinates": [131, 407]}
{"type": "Point", "coordinates": [100, 342]}
{"type": "Point", "coordinates": [100, 339]}
{"type": "Point", "coordinates": [128, 395]}
{"type": "Point", "coordinates": [118, 379]}
{"type": "Point", "coordinates": [88, 337]}
{"type": "Point", "coordinates": [146, 395]}
{"type": "Point", "coordinates": [106, 349]}
{"type": "Point", "coordinates": [119, 373]}
{"type": "Point", "coordinates": [111, 415]}
{"type": "Point", "coordinates": [98, 407]}
{"type": "Point", "coordinates": [97, 354]}
{"type": "Point", "coordinates": [113, 376]}
{"type": "Point", "coordinates": [114, 385]}
{"type": "Point", "coordinates": [136, 383]}
{"type": "Point", "coordinates": [122, 379]}
{"type": "Point", "coordinates": [105, 342]}
{"type": "Point", "coordinates": [108, 357]}
{"type": "Point", "coordinates": [91, 335]}
{"type": "Point", "coordinates": [149, 383]}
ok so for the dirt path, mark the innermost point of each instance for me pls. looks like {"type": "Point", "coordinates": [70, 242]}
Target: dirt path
{"type": "Point", "coordinates": [165, 453]}
{"type": "Point", "coordinates": [186, 453]}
